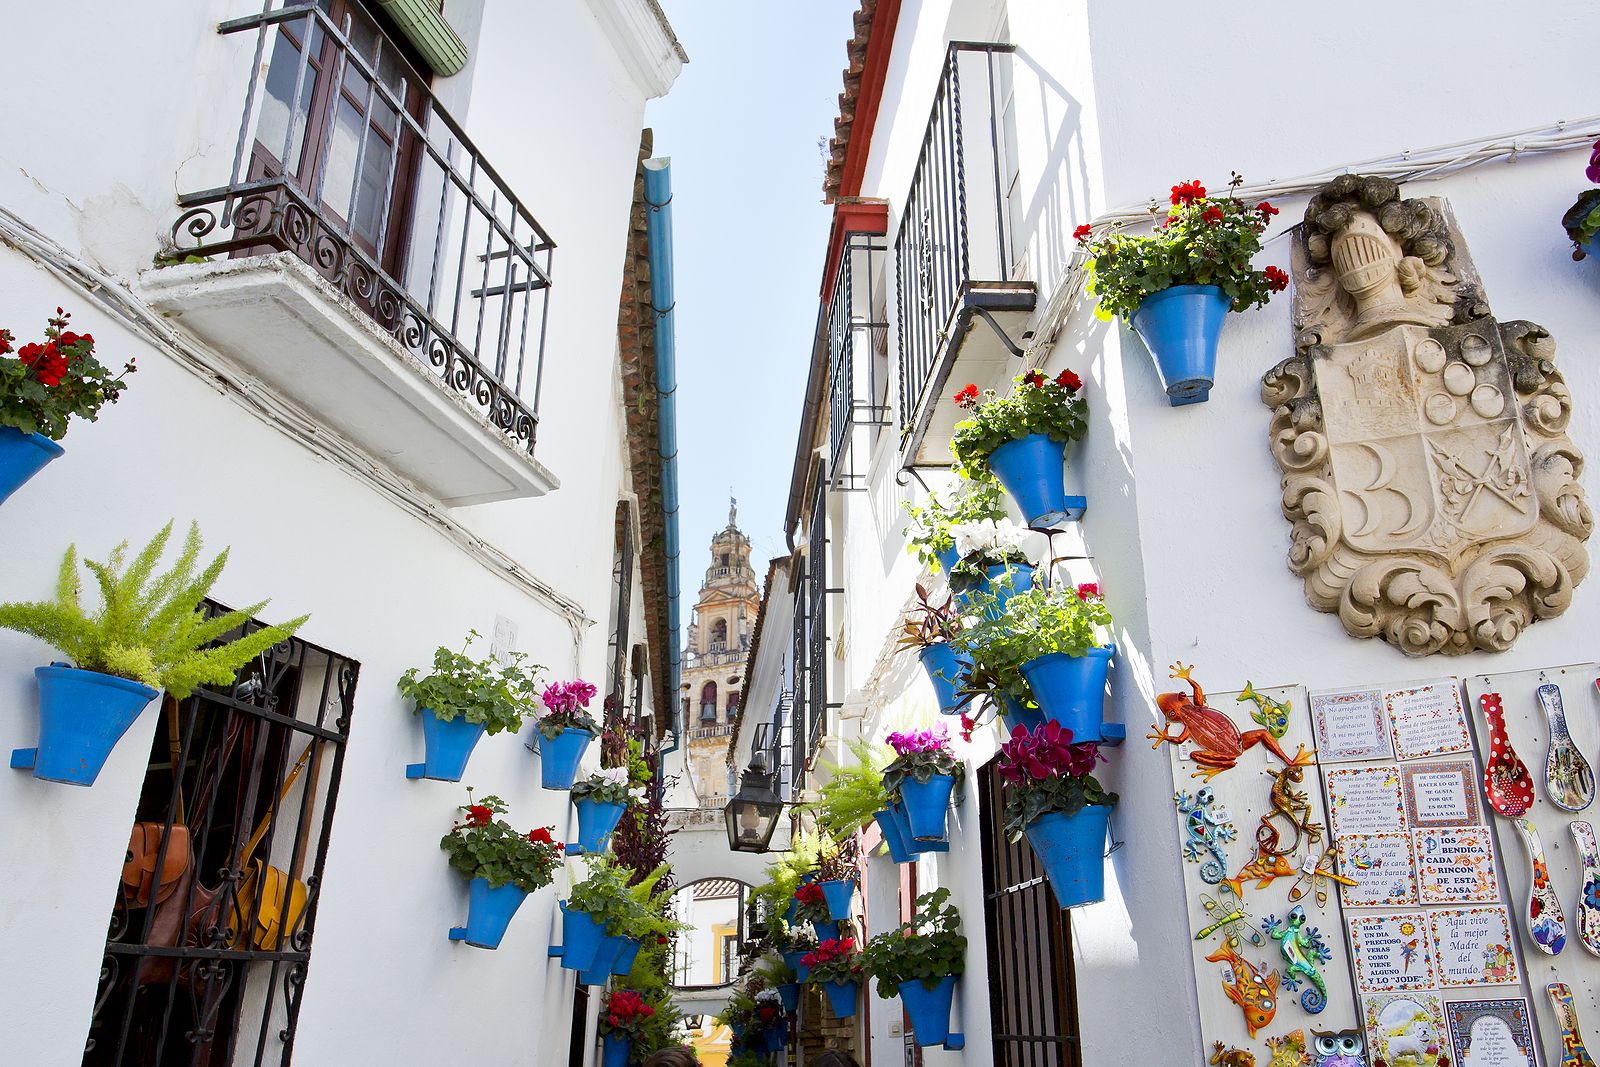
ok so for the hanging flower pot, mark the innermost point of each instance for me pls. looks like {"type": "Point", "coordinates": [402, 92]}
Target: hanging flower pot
{"type": "Point", "coordinates": [22, 455]}
{"type": "Point", "coordinates": [605, 957]}
{"type": "Point", "coordinates": [615, 1050]}
{"type": "Point", "coordinates": [1181, 326]}
{"type": "Point", "coordinates": [826, 931]}
{"type": "Point", "coordinates": [626, 954]}
{"type": "Point", "coordinates": [82, 716]}
{"type": "Point", "coordinates": [580, 939]}
{"type": "Point", "coordinates": [1002, 581]}
{"type": "Point", "coordinates": [838, 892]}
{"type": "Point", "coordinates": [1014, 713]}
{"type": "Point", "coordinates": [892, 837]}
{"type": "Point", "coordinates": [944, 666]}
{"type": "Point", "coordinates": [560, 756]}
{"type": "Point", "coordinates": [789, 992]}
{"type": "Point", "coordinates": [914, 847]}
{"type": "Point", "coordinates": [1032, 470]}
{"type": "Point", "coordinates": [1071, 689]}
{"type": "Point", "coordinates": [929, 1009]}
{"type": "Point", "coordinates": [796, 963]}
{"type": "Point", "coordinates": [596, 821]}
{"type": "Point", "coordinates": [447, 744]}
{"type": "Point", "coordinates": [842, 997]}
{"type": "Point", "coordinates": [947, 558]}
{"type": "Point", "coordinates": [1071, 848]}
{"type": "Point", "coordinates": [489, 912]}
{"type": "Point", "coordinates": [773, 1038]}
{"type": "Point", "coordinates": [927, 804]}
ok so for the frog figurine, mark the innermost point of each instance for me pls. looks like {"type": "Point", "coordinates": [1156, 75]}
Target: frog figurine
{"type": "Point", "coordinates": [1217, 741]}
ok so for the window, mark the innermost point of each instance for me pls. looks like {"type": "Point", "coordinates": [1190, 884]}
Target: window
{"type": "Point", "coordinates": [708, 702]}
{"type": "Point", "coordinates": [719, 635]}
{"type": "Point", "coordinates": [242, 781]}
{"type": "Point", "coordinates": [733, 706]}
{"type": "Point", "coordinates": [724, 559]}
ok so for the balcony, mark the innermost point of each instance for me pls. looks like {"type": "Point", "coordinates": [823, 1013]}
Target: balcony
{"type": "Point", "coordinates": [856, 328]}
{"type": "Point", "coordinates": [961, 312]}
{"type": "Point", "coordinates": [365, 260]}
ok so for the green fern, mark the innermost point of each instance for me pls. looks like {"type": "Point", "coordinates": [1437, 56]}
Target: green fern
{"type": "Point", "coordinates": [150, 627]}
{"type": "Point", "coordinates": [854, 793]}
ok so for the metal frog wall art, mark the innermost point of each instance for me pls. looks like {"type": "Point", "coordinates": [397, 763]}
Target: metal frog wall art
{"type": "Point", "coordinates": [1289, 1050]}
{"type": "Point", "coordinates": [1218, 742]}
{"type": "Point", "coordinates": [1430, 484]}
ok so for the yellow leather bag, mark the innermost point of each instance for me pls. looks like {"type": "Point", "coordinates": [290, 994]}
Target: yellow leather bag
{"type": "Point", "coordinates": [282, 898]}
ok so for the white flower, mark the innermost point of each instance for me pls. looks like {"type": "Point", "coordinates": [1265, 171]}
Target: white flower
{"type": "Point", "coordinates": [987, 537]}
{"type": "Point", "coordinates": [768, 996]}
{"type": "Point", "coordinates": [613, 775]}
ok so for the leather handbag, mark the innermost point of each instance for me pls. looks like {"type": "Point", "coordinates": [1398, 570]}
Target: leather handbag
{"type": "Point", "coordinates": [276, 899]}
{"type": "Point", "coordinates": [140, 881]}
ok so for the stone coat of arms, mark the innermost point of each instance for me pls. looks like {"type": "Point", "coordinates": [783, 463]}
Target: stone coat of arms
{"type": "Point", "coordinates": [1427, 473]}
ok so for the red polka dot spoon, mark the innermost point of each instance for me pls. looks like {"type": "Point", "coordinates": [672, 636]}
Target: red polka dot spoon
{"type": "Point", "coordinates": [1506, 781]}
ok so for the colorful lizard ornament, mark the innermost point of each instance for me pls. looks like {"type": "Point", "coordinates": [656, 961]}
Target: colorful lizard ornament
{"type": "Point", "coordinates": [1269, 713]}
{"type": "Point", "coordinates": [1207, 825]}
{"type": "Point", "coordinates": [1228, 1056]}
{"type": "Point", "coordinates": [1303, 950]}
{"type": "Point", "coordinates": [1246, 985]}
{"type": "Point", "coordinates": [1217, 741]}
{"type": "Point", "coordinates": [1289, 1050]}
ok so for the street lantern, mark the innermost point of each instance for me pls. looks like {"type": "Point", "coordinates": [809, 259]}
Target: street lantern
{"type": "Point", "coordinates": [753, 812]}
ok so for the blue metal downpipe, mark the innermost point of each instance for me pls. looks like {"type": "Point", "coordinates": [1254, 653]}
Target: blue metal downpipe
{"type": "Point", "coordinates": [658, 198]}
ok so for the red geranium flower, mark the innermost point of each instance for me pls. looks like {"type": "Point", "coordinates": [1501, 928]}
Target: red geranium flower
{"type": "Point", "coordinates": [1081, 234]}
{"type": "Point", "coordinates": [6, 337]}
{"type": "Point", "coordinates": [661, 939]}
{"type": "Point", "coordinates": [1212, 214]}
{"type": "Point", "coordinates": [1088, 589]}
{"type": "Point", "coordinates": [1034, 378]}
{"type": "Point", "coordinates": [810, 893]}
{"type": "Point", "coordinates": [1188, 192]}
{"type": "Point", "coordinates": [479, 815]}
{"type": "Point", "coordinates": [1277, 279]}
{"type": "Point", "coordinates": [31, 352]}
{"type": "Point", "coordinates": [1069, 381]}
{"type": "Point", "coordinates": [1266, 209]}
{"type": "Point", "coordinates": [967, 396]}
{"type": "Point", "coordinates": [540, 835]}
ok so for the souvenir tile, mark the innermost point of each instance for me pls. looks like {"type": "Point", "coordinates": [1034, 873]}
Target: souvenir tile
{"type": "Point", "coordinates": [1350, 726]}
{"type": "Point", "coordinates": [1427, 720]}
{"type": "Point", "coordinates": [1404, 1030]}
{"type": "Point", "coordinates": [1472, 946]}
{"type": "Point", "coordinates": [1455, 865]}
{"type": "Point", "coordinates": [1391, 952]}
{"type": "Point", "coordinates": [1365, 800]}
{"type": "Point", "coordinates": [1381, 867]}
{"type": "Point", "coordinates": [1442, 793]}
{"type": "Point", "coordinates": [1490, 1033]}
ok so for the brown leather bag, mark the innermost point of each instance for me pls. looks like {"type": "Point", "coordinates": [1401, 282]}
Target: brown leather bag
{"type": "Point", "coordinates": [139, 878]}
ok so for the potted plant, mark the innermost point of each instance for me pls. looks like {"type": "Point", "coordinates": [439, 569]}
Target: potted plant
{"type": "Point", "coordinates": [502, 867]}
{"type": "Point", "coordinates": [811, 906]}
{"type": "Point", "coordinates": [854, 795]}
{"type": "Point", "coordinates": [920, 961]}
{"type": "Point", "coordinates": [1055, 800]}
{"type": "Point", "coordinates": [1582, 220]}
{"type": "Point", "coordinates": [593, 903]}
{"type": "Point", "coordinates": [566, 728]}
{"type": "Point", "coordinates": [42, 387]}
{"type": "Point", "coordinates": [462, 699]}
{"type": "Point", "coordinates": [929, 534]}
{"type": "Point", "coordinates": [769, 1018]}
{"type": "Point", "coordinates": [624, 1015]}
{"type": "Point", "coordinates": [793, 943]}
{"type": "Point", "coordinates": [1022, 439]}
{"type": "Point", "coordinates": [835, 965]}
{"type": "Point", "coordinates": [992, 563]}
{"type": "Point", "coordinates": [1175, 286]}
{"type": "Point", "coordinates": [923, 774]}
{"type": "Point", "coordinates": [600, 799]}
{"type": "Point", "coordinates": [993, 683]}
{"type": "Point", "coordinates": [928, 629]}
{"type": "Point", "coordinates": [150, 633]}
{"type": "Point", "coordinates": [786, 982]}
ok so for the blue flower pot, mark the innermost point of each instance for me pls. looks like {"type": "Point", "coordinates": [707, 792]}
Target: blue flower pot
{"type": "Point", "coordinates": [446, 746]}
{"type": "Point", "coordinates": [1072, 689]}
{"type": "Point", "coordinates": [1001, 584]}
{"type": "Point", "coordinates": [842, 998]}
{"type": "Point", "coordinates": [947, 559]}
{"type": "Point", "coordinates": [792, 910]}
{"type": "Point", "coordinates": [623, 963]}
{"type": "Point", "coordinates": [559, 757]}
{"type": "Point", "coordinates": [596, 821]}
{"type": "Point", "coordinates": [605, 956]}
{"type": "Point", "coordinates": [489, 912]}
{"type": "Point", "coordinates": [82, 716]}
{"type": "Point", "coordinates": [1032, 471]}
{"type": "Point", "coordinates": [22, 455]}
{"type": "Point", "coordinates": [838, 892]}
{"type": "Point", "coordinates": [1072, 851]}
{"type": "Point", "coordinates": [793, 960]}
{"type": "Point", "coordinates": [914, 847]}
{"type": "Point", "coordinates": [826, 931]}
{"type": "Point", "coordinates": [772, 1038]}
{"type": "Point", "coordinates": [945, 669]}
{"type": "Point", "coordinates": [926, 805]}
{"type": "Point", "coordinates": [892, 836]}
{"type": "Point", "coordinates": [581, 937]}
{"type": "Point", "coordinates": [929, 1009]}
{"type": "Point", "coordinates": [1013, 713]}
{"type": "Point", "coordinates": [615, 1049]}
{"type": "Point", "coordinates": [1180, 326]}
{"type": "Point", "coordinates": [789, 993]}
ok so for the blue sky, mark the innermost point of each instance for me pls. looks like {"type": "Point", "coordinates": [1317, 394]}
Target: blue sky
{"type": "Point", "coordinates": [749, 234]}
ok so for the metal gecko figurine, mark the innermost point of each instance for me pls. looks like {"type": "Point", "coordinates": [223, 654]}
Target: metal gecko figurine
{"type": "Point", "coordinates": [1272, 714]}
{"type": "Point", "coordinates": [1207, 826]}
{"type": "Point", "coordinates": [1303, 950]}
{"type": "Point", "coordinates": [1291, 807]}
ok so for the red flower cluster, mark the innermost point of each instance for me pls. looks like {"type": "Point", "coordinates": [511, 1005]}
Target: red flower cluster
{"type": "Point", "coordinates": [810, 893]}
{"type": "Point", "coordinates": [479, 815]}
{"type": "Point", "coordinates": [1211, 215]}
{"type": "Point", "coordinates": [625, 1007]}
{"type": "Point", "coordinates": [1266, 209]}
{"type": "Point", "coordinates": [540, 835]}
{"type": "Point", "coordinates": [829, 950]}
{"type": "Point", "coordinates": [1277, 279]}
{"type": "Point", "coordinates": [967, 725]}
{"type": "Point", "coordinates": [1188, 192]}
{"type": "Point", "coordinates": [661, 939]}
{"type": "Point", "coordinates": [49, 363]}
{"type": "Point", "coordinates": [1069, 381]}
{"type": "Point", "coordinates": [1081, 234]}
{"type": "Point", "coordinates": [52, 360]}
{"type": "Point", "coordinates": [967, 396]}
{"type": "Point", "coordinates": [1088, 590]}
{"type": "Point", "coordinates": [1048, 752]}
{"type": "Point", "coordinates": [1035, 378]}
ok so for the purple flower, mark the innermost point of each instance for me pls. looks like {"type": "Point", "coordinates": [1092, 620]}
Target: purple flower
{"type": "Point", "coordinates": [906, 742]}
{"type": "Point", "coordinates": [568, 696]}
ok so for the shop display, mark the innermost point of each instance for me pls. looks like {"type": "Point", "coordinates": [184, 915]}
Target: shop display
{"type": "Point", "coordinates": [1303, 953]}
{"type": "Point", "coordinates": [1289, 1050]}
{"type": "Point", "coordinates": [1252, 987]}
{"type": "Point", "coordinates": [1207, 825]}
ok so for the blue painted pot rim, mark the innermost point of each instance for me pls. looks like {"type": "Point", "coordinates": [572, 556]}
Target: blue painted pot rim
{"type": "Point", "coordinates": [37, 440]}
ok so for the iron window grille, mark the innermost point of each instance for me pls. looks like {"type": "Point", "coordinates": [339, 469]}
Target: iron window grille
{"type": "Point", "coordinates": [857, 334]}
{"type": "Point", "coordinates": [817, 704]}
{"type": "Point", "coordinates": [346, 159]}
{"type": "Point", "coordinates": [954, 232]}
{"type": "Point", "coordinates": [621, 602]}
{"type": "Point", "coordinates": [197, 979]}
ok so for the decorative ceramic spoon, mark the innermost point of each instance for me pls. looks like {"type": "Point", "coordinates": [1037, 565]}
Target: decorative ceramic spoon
{"type": "Point", "coordinates": [1506, 781]}
{"type": "Point", "coordinates": [1589, 896]}
{"type": "Point", "coordinates": [1568, 781]}
{"type": "Point", "coordinates": [1573, 1054]}
{"type": "Point", "coordinates": [1547, 926]}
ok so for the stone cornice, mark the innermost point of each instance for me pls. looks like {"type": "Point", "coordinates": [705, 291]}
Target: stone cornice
{"type": "Point", "coordinates": [644, 41]}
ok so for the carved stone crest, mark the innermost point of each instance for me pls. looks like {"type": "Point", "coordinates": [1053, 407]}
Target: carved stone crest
{"type": "Point", "coordinates": [1427, 473]}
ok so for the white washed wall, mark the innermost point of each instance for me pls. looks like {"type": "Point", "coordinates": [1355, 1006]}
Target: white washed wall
{"type": "Point", "coordinates": [94, 158]}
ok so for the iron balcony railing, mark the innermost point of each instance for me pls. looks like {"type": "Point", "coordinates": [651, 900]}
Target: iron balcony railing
{"type": "Point", "coordinates": [857, 332]}
{"type": "Point", "coordinates": [345, 159]}
{"type": "Point", "coordinates": [955, 231]}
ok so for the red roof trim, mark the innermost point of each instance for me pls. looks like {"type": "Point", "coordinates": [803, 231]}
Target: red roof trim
{"type": "Point", "coordinates": [850, 216]}
{"type": "Point", "coordinates": [873, 76]}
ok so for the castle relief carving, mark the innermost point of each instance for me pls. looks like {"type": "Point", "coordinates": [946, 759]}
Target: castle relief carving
{"type": "Point", "coordinates": [1430, 484]}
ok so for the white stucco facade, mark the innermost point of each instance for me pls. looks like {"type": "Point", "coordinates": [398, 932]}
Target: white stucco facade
{"type": "Point", "coordinates": [554, 95]}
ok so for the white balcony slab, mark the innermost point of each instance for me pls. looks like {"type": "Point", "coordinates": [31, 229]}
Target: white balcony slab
{"type": "Point", "coordinates": [279, 321]}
